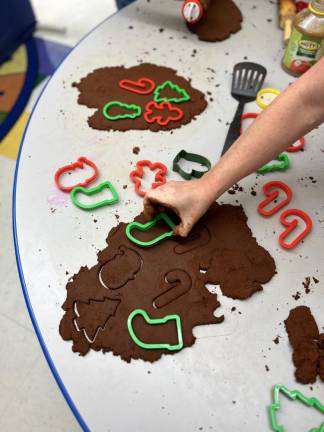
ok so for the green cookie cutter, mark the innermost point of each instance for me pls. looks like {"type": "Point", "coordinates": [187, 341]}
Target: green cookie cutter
{"type": "Point", "coordinates": [184, 95]}
{"type": "Point", "coordinates": [145, 227]}
{"type": "Point", "coordinates": [190, 157]}
{"type": "Point", "coordinates": [155, 321]}
{"type": "Point", "coordinates": [93, 191]}
{"type": "Point", "coordinates": [136, 108]}
{"type": "Point", "coordinates": [283, 164]}
{"type": "Point", "coordinates": [293, 395]}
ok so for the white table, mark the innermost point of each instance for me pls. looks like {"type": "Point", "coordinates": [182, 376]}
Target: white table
{"type": "Point", "coordinates": [220, 383]}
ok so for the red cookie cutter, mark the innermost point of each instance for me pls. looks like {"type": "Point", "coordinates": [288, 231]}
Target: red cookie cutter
{"type": "Point", "coordinates": [139, 86]}
{"type": "Point", "coordinates": [296, 148]}
{"type": "Point", "coordinates": [272, 195]}
{"type": "Point", "coordinates": [78, 164]}
{"type": "Point", "coordinates": [292, 225]}
{"type": "Point", "coordinates": [137, 175]}
{"type": "Point", "coordinates": [290, 149]}
{"type": "Point", "coordinates": [159, 118]}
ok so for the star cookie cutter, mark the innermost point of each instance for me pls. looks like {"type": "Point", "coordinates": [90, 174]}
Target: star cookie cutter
{"type": "Point", "coordinates": [78, 164]}
{"type": "Point", "coordinates": [190, 157]}
{"type": "Point", "coordinates": [93, 191]}
{"type": "Point", "coordinates": [293, 395]}
{"type": "Point", "coordinates": [155, 321]}
{"type": "Point", "coordinates": [137, 175]}
{"type": "Point", "coordinates": [137, 111]}
{"type": "Point", "coordinates": [146, 226]}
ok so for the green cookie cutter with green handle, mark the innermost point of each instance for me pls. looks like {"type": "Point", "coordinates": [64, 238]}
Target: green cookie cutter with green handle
{"type": "Point", "coordinates": [293, 395]}
{"type": "Point", "coordinates": [184, 96]}
{"type": "Point", "coordinates": [137, 111]}
{"type": "Point", "coordinates": [283, 164]}
{"type": "Point", "coordinates": [155, 321]}
{"type": "Point", "coordinates": [93, 191]}
{"type": "Point", "coordinates": [145, 227]}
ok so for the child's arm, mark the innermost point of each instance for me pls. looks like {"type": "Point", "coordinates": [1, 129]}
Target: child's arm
{"type": "Point", "coordinates": [298, 110]}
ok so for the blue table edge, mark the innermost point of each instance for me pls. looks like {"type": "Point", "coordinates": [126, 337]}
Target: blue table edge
{"type": "Point", "coordinates": [41, 340]}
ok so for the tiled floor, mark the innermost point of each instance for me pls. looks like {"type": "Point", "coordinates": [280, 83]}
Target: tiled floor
{"type": "Point", "coordinates": [29, 397]}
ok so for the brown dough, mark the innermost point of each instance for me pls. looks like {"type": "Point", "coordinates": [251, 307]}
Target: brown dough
{"type": "Point", "coordinates": [101, 86]}
{"type": "Point", "coordinates": [307, 343]}
{"type": "Point", "coordinates": [170, 280]}
{"type": "Point", "coordinates": [222, 18]}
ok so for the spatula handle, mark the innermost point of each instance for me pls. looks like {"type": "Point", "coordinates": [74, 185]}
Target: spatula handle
{"type": "Point", "coordinates": [234, 130]}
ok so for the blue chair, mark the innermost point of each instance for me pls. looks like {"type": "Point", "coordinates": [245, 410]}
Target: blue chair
{"type": "Point", "coordinates": [17, 23]}
{"type": "Point", "coordinates": [123, 3]}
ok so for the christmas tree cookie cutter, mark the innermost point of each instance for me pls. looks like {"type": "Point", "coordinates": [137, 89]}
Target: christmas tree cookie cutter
{"type": "Point", "coordinates": [184, 96]}
{"type": "Point", "coordinates": [93, 191]}
{"type": "Point", "coordinates": [293, 395]}
{"type": "Point", "coordinates": [155, 321]}
{"type": "Point", "coordinates": [137, 111]}
{"type": "Point", "coordinates": [282, 164]}
{"type": "Point", "coordinates": [146, 226]}
{"type": "Point", "coordinates": [78, 164]}
{"type": "Point", "coordinates": [190, 157]}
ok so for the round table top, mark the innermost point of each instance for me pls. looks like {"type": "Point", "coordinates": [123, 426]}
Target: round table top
{"type": "Point", "coordinates": [221, 383]}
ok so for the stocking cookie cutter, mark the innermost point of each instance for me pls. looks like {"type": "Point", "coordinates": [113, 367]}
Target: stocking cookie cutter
{"type": "Point", "coordinates": [155, 321]}
{"type": "Point", "coordinates": [146, 226]}
{"type": "Point", "coordinates": [190, 157]}
{"type": "Point", "coordinates": [92, 191]}
{"type": "Point", "coordinates": [293, 395]}
{"type": "Point", "coordinates": [78, 164]}
{"type": "Point", "coordinates": [137, 175]}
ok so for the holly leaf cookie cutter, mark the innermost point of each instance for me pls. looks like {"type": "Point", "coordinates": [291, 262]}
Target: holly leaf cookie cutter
{"type": "Point", "coordinates": [150, 117]}
{"type": "Point", "coordinates": [183, 95]}
{"type": "Point", "coordinates": [142, 86]}
{"type": "Point", "coordinates": [190, 157]}
{"type": "Point", "coordinates": [292, 395]}
{"type": "Point", "coordinates": [272, 190]}
{"type": "Point", "coordinates": [78, 164]}
{"type": "Point", "coordinates": [93, 191]}
{"type": "Point", "coordinates": [282, 164]}
{"type": "Point", "coordinates": [155, 321]}
{"type": "Point", "coordinates": [134, 111]}
{"type": "Point", "coordinates": [146, 226]}
{"type": "Point", "coordinates": [137, 175]}
{"type": "Point", "coordinates": [291, 225]}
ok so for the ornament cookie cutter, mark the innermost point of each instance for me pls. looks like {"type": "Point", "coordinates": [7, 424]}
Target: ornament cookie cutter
{"type": "Point", "coordinates": [137, 175]}
{"type": "Point", "coordinates": [291, 149]}
{"type": "Point", "coordinates": [292, 395]}
{"type": "Point", "coordinates": [261, 96]}
{"type": "Point", "coordinates": [137, 111]}
{"type": "Point", "coordinates": [292, 225]}
{"type": "Point", "coordinates": [184, 95]}
{"type": "Point", "coordinates": [283, 164]}
{"type": "Point", "coordinates": [159, 118]}
{"type": "Point", "coordinates": [155, 321]}
{"type": "Point", "coordinates": [272, 195]}
{"type": "Point", "coordinates": [190, 157]}
{"type": "Point", "coordinates": [146, 226]}
{"type": "Point", "coordinates": [139, 86]}
{"type": "Point", "coordinates": [78, 164]}
{"type": "Point", "coordinates": [93, 191]}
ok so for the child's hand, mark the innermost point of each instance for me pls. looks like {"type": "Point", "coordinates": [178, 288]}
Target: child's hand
{"type": "Point", "coordinates": [189, 200]}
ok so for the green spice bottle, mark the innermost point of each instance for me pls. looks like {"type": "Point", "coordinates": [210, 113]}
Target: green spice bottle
{"type": "Point", "coordinates": [306, 44]}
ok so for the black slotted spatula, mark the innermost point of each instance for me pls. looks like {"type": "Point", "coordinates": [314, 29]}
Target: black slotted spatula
{"type": "Point", "coordinates": [248, 79]}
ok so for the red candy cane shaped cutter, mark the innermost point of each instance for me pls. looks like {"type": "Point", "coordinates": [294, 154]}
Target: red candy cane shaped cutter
{"type": "Point", "coordinates": [137, 175]}
{"type": "Point", "coordinates": [291, 225]}
{"type": "Point", "coordinates": [272, 190]}
{"type": "Point", "coordinates": [78, 164]}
